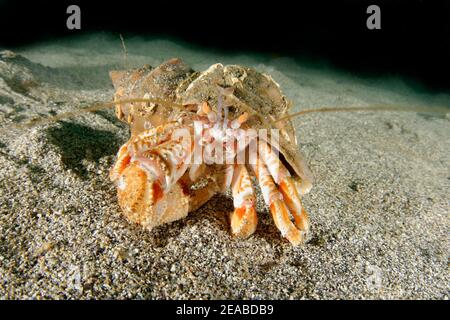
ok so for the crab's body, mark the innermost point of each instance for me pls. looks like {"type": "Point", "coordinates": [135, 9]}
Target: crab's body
{"type": "Point", "coordinates": [157, 178]}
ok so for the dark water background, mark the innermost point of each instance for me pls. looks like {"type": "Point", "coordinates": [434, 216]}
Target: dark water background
{"type": "Point", "coordinates": [413, 41]}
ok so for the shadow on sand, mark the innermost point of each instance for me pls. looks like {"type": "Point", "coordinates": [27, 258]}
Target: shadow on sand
{"type": "Point", "coordinates": [78, 142]}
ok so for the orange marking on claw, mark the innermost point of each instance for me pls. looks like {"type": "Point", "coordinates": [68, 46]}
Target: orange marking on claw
{"type": "Point", "coordinates": [157, 192]}
{"type": "Point", "coordinates": [239, 212]}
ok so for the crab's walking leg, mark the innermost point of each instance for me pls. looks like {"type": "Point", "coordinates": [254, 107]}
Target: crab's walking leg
{"type": "Point", "coordinates": [288, 188]}
{"type": "Point", "coordinates": [274, 199]}
{"type": "Point", "coordinates": [287, 184]}
{"type": "Point", "coordinates": [244, 218]}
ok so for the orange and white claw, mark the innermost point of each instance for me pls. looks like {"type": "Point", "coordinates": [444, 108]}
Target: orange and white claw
{"type": "Point", "coordinates": [138, 145]}
{"type": "Point", "coordinates": [244, 219]}
{"type": "Point", "coordinates": [146, 173]}
{"type": "Point", "coordinates": [143, 200]}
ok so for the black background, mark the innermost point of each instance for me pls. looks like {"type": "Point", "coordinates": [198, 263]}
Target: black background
{"type": "Point", "coordinates": [282, 309]}
{"type": "Point", "coordinates": [413, 41]}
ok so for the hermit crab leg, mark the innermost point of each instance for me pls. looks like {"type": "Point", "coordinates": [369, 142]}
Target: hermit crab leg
{"type": "Point", "coordinates": [244, 218]}
{"type": "Point", "coordinates": [152, 137]}
{"type": "Point", "coordinates": [274, 199]}
{"type": "Point", "coordinates": [145, 140]}
{"type": "Point", "coordinates": [166, 162]}
{"type": "Point", "coordinates": [287, 184]}
{"type": "Point", "coordinates": [123, 160]}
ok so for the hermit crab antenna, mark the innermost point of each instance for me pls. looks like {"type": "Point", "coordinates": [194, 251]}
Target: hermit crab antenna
{"type": "Point", "coordinates": [125, 52]}
{"type": "Point", "coordinates": [92, 108]}
{"type": "Point", "coordinates": [439, 110]}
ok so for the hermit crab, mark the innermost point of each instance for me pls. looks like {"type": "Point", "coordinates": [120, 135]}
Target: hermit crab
{"type": "Point", "coordinates": [236, 117]}
{"type": "Point", "coordinates": [195, 134]}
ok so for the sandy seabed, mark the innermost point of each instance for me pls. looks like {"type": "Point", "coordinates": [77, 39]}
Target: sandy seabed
{"type": "Point", "coordinates": [379, 206]}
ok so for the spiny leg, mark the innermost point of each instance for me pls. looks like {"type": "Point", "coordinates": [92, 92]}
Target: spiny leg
{"type": "Point", "coordinates": [152, 137]}
{"type": "Point", "coordinates": [287, 184]}
{"type": "Point", "coordinates": [274, 199]}
{"type": "Point", "coordinates": [244, 218]}
{"type": "Point", "coordinates": [145, 140]}
{"type": "Point", "coordinates": [288, 188]}
{"type": "Point", "coordinates": [122, 161]}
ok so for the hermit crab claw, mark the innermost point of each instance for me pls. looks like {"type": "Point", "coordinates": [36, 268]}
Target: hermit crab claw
{"type": "Point", "coordinates": [142, 198]}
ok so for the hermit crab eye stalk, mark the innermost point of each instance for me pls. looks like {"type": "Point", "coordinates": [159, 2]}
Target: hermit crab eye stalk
{"type": "Point", "coordinates": [122, 110]}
